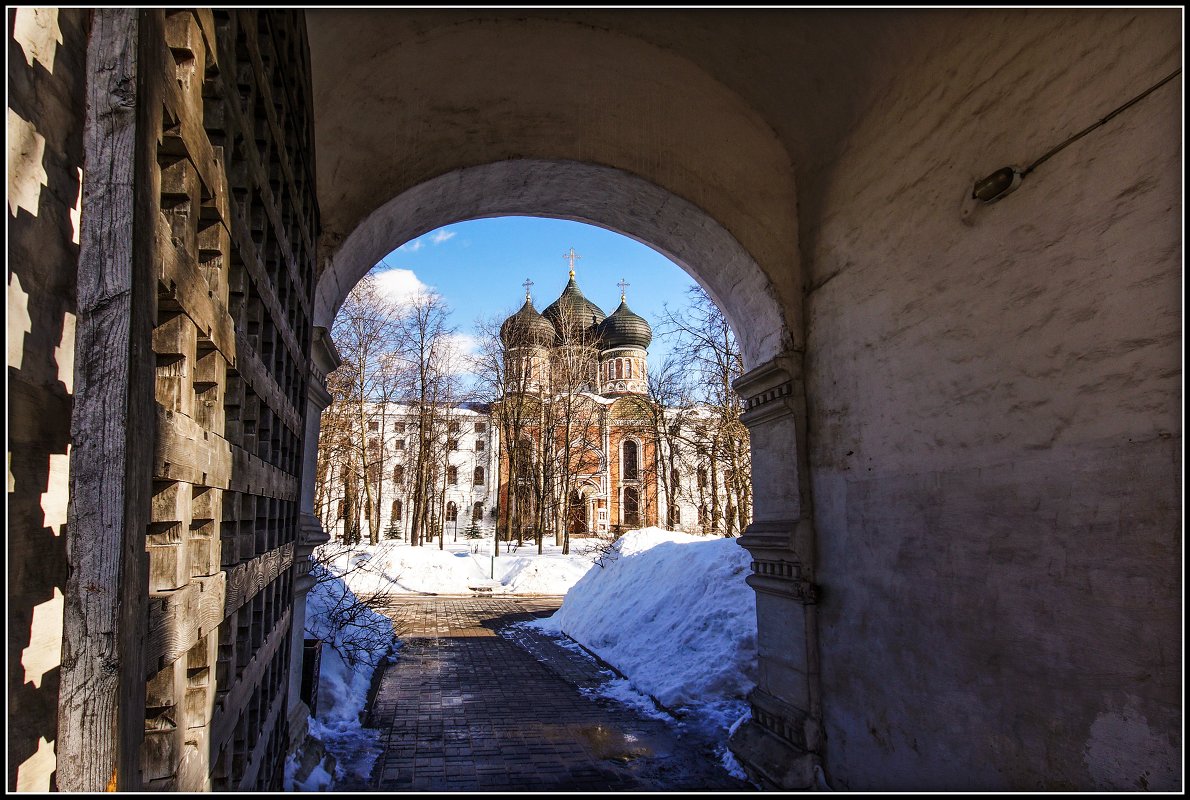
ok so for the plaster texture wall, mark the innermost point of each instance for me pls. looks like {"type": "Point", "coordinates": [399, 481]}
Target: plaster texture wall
{"type": "Point", "coordinates": [994, 412]}
{"type": "Point", "coordinates": [500, 113]}
{"type": "Point", "coordinates": [46, 59]}
{"type": "Point", "coordinates": [992, 393]}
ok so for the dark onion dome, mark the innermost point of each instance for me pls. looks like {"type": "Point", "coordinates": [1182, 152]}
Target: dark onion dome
{"type": "Point", "coordinates": [576, 305]}
{"type": "Point", "coordinates": [625, 329]}
{"type": "Point", "coordinates": [527, 328]}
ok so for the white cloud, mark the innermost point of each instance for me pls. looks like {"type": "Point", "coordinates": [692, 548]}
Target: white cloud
{"type": "Point", "coordinates": [412, 247]}
{"type": "Point", "coordinates": [399, 285]}
{"type": "Point", "coordinates": [441, 236]}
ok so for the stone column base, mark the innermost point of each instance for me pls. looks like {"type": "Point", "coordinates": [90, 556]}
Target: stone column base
{"type": "Point", "coordinates": [299, 716]}
{"type": "Point", "coordinates": [770, 761]}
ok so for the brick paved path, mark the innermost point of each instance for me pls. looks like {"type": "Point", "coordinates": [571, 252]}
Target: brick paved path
{"type": "Point", "coordinates": [467, 709]}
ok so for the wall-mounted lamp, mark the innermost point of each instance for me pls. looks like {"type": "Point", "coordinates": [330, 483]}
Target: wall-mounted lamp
{"type": "Point", "coordinates": [995, 186]}
{"type": "Point", "coordinates": [1005, 180]}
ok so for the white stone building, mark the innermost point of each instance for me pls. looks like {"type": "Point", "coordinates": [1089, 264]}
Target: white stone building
{"type": "Point", "coordinates": [464, 492]}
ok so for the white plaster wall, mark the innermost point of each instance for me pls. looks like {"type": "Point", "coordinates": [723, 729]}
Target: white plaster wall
{"type": "Point", "coordinates": [994, 412]}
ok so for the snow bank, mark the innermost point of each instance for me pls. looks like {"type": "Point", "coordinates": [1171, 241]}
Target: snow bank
{"type": "Point", "coordinates": [671, 612]}
{"type": "Point", "coordinates": [356, 640]}
{"type": "Point", "coordinates": [402, 569]}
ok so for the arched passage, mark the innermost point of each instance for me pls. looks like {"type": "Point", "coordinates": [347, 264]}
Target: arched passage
{"type": "Point", "coordinates": [436, 119]}
{"type": "Point", "coordinates": [781, 537]}
{"type": "Point", "coordinates": [597, 195]}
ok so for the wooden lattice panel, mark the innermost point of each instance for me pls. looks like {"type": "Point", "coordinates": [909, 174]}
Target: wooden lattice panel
{"type": "Point", "coordinates": [234, 238]}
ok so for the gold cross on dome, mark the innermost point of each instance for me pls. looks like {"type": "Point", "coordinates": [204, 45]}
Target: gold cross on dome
{"type": "Point", "coordinates": [623, 284]}
{"type": "Point", "coordinates": [571, 257]}
{"type": "Point", "coordinates": [527, 284]}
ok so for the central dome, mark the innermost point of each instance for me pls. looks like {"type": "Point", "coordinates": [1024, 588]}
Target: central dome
{"type": "Point", "coordinates": [572, 305]}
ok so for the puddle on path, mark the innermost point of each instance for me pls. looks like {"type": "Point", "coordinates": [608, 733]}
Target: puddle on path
{"type": "Point", "coordinates": [607, 744]}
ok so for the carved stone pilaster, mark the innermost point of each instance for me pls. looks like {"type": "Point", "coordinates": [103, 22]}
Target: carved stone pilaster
{"type": "Point", "coordinates": [783, 578]}
{"type": "Point", "coordinates": [781, 744]}
{"type": "Point", "coordinates": [324, 358]}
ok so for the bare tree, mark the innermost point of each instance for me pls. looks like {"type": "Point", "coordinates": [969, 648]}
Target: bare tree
{"type": "Point", "coordinates": [670, 418]}
{"type": "Point", "coordinates": [431, 388]}
{"type": "Point", "coordinates": [573, 420]}
{"type": "Point", "coordinates": [706, 350]}
{"type": "Point", "coordinates": [352, 450]}
{"type": "Point", "coordinates": [513, 369]}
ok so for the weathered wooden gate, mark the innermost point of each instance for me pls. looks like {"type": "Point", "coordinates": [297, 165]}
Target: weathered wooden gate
{"type": "Point", "coordinates": [197, 272]}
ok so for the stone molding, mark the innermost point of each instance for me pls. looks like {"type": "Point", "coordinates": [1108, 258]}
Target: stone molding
{"type": "Point", "coordinates": [310, 535]}
{"type": "Point", "coordinates": [769, 390]}
{"type": "Point", "coordinates": [784, 578]}
{"type": "Point", "coordinates": [790, 724]}
{"type": "Point", "coordinates": [324, 357]}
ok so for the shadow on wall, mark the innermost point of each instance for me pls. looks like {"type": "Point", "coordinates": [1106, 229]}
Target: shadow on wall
{"type": "Point", "coordinates": [46, 60]}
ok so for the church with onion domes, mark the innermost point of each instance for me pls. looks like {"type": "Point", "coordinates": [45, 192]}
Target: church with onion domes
{"type": "Point", "coordinates": [576, 418]}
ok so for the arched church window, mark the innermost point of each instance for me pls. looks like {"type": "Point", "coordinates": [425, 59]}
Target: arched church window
{"type": "Point", "coordinates": [398, 474]}
{"type": "Point", "coordinates": [452, 475]}
{"type": "Point", "coordinates": [477, 512]}
{"type": "Point", "coordinates": [628, 368]}
{"type": "Point", "coordinates": [619, 368]}
{"type": "Point", "coordinates": [478, 478]}
{"type": "Point", "coordinates": [396, 511]}
{"type": "Point", "coordinates": [452, 512]}
{"type": "Point", "coordinates": [631, 508]}
{"type": "Point", "coordinates": [631, 470]}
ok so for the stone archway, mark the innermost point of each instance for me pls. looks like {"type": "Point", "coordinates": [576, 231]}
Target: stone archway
{"type": "Point", "coordinates": [428, 120]}
{"type": "Point", "coordinates": [786, 710]}
{"type": "Point", "coordinates": [598, 195]}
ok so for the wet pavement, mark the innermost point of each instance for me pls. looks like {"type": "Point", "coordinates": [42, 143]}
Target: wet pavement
{"type": "Point", "coordinates": [476, 704]}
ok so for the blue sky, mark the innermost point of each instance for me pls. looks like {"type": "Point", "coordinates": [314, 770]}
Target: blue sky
{"type": "Point", "coordinates": [479, 267]}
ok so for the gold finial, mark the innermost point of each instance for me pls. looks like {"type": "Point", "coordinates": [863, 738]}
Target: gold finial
{"type": "Point", "coordinates": [527, 284]}
{"type": "Point", "coordinates": [572, 257]}
{"type": "Point", "coordinates": [623, 284]}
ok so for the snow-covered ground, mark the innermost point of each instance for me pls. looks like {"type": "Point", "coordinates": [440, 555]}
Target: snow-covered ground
{"type": "Point", "coordinates": [399, 568]}
{"type": "Point", "coordinates": [356, 641]}
{"type": "Point", "coordinates": [670, 611]}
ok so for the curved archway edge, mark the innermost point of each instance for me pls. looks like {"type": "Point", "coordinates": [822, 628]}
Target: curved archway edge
{"type": "Point", "coordinates": [598, 195]}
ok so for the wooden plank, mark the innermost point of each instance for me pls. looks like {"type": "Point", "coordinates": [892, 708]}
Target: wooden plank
{"type": "Point", "coordinates": [182, 279]}
{"type": "Point", "coordinates": [252, 34]}
{"type": "Point", "coordinates": [241, 235]}
{"type": "Point", "coordinates": [178, 619]}
{"type": "Point", "coordinates": [252, 369]}
{"type": "Point", "coordinates": [259, 170]}
{"type": "Point", "coordinates": [255, 762]}
{"type": "Point", "coordinates": [102, 688]}
{"type": "Point", "coordinates": [247, 578]}
{"type": "Point", "coordinates": [165, 728]}
{"type": "Point", "coordinates": [192, 133]}
{"type": "Point", "coordinates": [185, 451]}
{"type": "Point", "coordinates": [227, 712]}
{"type": "Point", "coordinates": [294, 103]}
